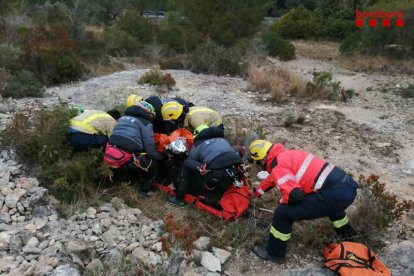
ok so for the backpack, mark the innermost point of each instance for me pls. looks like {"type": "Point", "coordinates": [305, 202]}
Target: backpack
{"type": "Point", "coordinates": [353, 259]}
{"type": "Point", "coordinates": [116, 157]}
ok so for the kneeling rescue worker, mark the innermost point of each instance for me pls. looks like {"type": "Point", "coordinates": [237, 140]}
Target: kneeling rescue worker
{"type": "Point", "coordinates": [311, 188]}
{"type": "Point", "coordinates": [211, 167]}
{"type": "Point", "coordinates": [91, 129]}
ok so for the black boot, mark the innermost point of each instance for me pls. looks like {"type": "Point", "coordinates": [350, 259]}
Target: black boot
{"type": "Point", "coordinates": [261, 251]}
{"type": "Point", "coordinates": [346, 232]}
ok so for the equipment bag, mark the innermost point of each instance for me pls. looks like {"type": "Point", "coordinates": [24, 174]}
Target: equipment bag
{"type": "Point", "coordinates": [353, 259]}
{"type": "Point", "coordinates": [116, 157]}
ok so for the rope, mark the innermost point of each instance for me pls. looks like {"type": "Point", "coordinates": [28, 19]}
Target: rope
{"type": "Point", "coordinates": [138, 164]}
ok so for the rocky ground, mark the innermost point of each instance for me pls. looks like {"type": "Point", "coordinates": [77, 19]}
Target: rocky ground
{"type": "Point", "coordinates": [371, 133]}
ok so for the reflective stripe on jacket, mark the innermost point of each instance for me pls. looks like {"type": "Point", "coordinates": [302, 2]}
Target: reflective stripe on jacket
{"type": "Point", "coordinates": [294, 169]}
{"type": "Point", "coordinates": [200, 115]}
{"type": "Point", "coordinates": [93, 122]}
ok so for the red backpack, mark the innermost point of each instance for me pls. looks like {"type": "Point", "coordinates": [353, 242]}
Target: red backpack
{"type": "Point", "coordinates": [116, 157]}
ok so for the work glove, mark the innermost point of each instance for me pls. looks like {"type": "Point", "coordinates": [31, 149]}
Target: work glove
{"type": "Point", "coordinates": [256, 193]}
{"type": "Point", "coordinates": [296, 196]}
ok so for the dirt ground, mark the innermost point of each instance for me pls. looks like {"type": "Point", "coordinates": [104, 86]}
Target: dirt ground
{"type": "Point", "coordinates": [373, 133]}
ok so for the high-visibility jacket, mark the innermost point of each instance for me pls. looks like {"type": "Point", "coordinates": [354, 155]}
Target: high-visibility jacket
{"type": "Point", "coordinates": [199, 115]}
{"type": "Point", "coordinates": [93, 122]}
{"type": "Point", "coordinates": [290, 169]}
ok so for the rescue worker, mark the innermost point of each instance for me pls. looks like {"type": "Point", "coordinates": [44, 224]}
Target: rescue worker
{"type": "Point", "coordinates": [211, 167]}
{"type": "Point", "coordinates": [311, 188]}
{"type": "Point", "coordinates": [176, 115]}
{"type": "Point", "coordinates": [200, 115]}
{"type": "Point", "coordinates": [133, 133]}
{"type": "Point", "coordinates": [91, 129]}
{"type": "Point", "coordinates": [173, 112]}
{"type": "Point", "coordinates": [133, 99]}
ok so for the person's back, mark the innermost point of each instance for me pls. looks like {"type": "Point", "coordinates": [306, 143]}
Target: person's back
{"type": "Point", "coordinates": [200, 115]}
{"type": "Point", "coordinates": [212, 149]}
{"type": "Point", "coordinates": [93, 122]}
{"type": "Point", "coordinates": [91, 129]}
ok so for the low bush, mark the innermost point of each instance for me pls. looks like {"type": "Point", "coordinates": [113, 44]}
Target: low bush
{"type": "Point", "coordinates": [279, 82]}
{"type": "Point", "coordinates": [323, 87]}
{"type": "Point", "coordinates": [408, 92]}
{"type": "Point", "coordinates": [376, 209]}
{"type": "Point", "coordinates": [173, 62]}
{"type": "Point", "coordinates": [155, 77]}
{"type": "Point", "coordinates": [298, 23]}
{"type": "Point", "coordinates": [210, 58]}
{"type": "Point", "coordinates": [24, 84]}
{"type": "Point", "coordinates": [277, 46]}
{"type": "Point", "coordinates": [39, 139]}
{"type": "Point", "coordinates": [120, 43]}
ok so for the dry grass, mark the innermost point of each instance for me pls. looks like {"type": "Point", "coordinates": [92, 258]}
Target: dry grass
{"type": "Point", "coordinates": [278, 81]}
{"type": "Point", "coordinates": [363, 63]}
{"type": "Point", "coordinates": [322, 50]}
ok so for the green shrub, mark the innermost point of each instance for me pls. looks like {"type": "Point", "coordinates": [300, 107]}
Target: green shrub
{"type": "Point", "coordinates": [9, 57]}
{"type": "Point", "coordinates": [24, 84]}
{"type": "Point", "coordinates": [224, 22]}
{"type": "Point", "coordinates": [298, 23]}
{"type": "Point", "coordinates": [277, 46]}
{"type": "Point", "coordinates": [173, 62]}
{"type": "Point", "coordinates": [210, 58]}
{"type": "Point", "coordinates": [120, 43]}
{"type": "Point", "coordinates": [324, 87]}
{"type": "Point", "coordinates": [39, 139]}
{"type": "Point", "coordinates": [408, 92]}
{"type": "Point", "coordinates": [376, 209]}
{"type": "Point", "coordinates": [156, 78]}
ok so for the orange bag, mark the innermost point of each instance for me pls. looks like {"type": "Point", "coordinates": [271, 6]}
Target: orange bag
{"type": "Point", "coordinates": [353, 259]}
{"type": "Point", "coordinates": [163, 140]}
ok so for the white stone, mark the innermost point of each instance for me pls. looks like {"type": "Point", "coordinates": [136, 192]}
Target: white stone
{"type": "Point", "coordinates": [11, 200]}
{"type": "Point", "coordinates": [210, 262]}
{"type": "Point", "coordinates": [4, 238]}
{"type": "Point", "coordinates": [4, 178]}
{"type": "Point", "coordinates": [95, 266]}
{"type": "Point", "coordinates": [34, 242]}
{"type": "Point", "coordinates": [202, 243]}
{"type": "Point", "coordinates": [221, 254]}
{"type": "Point", "coordinates": [53, 217]}
{"type": "Point", "coordinates": [157, 247]}
{"type": "Point", "coordinates": [6, 263]}
{"type": "Point", "coordinates": [27, 183]}
{"type": "Point", "coordinates": [90, 213]}
{"type": "Point", "coordinates": [146, 230]}
{"type": "Point", "coordinates": [65, 270]}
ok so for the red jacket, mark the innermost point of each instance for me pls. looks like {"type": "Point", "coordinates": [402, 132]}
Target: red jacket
{"type": "Point", "coordinates": [294, 169]}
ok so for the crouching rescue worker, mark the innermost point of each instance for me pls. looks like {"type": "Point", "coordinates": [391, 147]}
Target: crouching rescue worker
{"type": "Point", "coordinates": [200, 115]}
{"type": "Point", "coordinates": [311, 188]}
{"type": "Point", "coordinates": [91, 129]}
{"type": "Point", "coordinates": [132, 146]}
{"type": "Point", "coordinates": [211, 167]}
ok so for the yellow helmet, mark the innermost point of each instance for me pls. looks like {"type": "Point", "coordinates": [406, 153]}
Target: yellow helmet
{"type": "Point", "coordinates": [258, 149]}
{"type": "Point", "coordinates": [133, 100]}
{"type": "Point", "coordinates": [199, 129]}
{"type": "Point", "coordinates": [171, 111]}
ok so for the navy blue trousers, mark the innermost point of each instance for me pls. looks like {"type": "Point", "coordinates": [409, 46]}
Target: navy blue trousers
{"type": "Point", "coordinates": [331, 202]}
{"type": "Point", "coordinates": [80, 141]}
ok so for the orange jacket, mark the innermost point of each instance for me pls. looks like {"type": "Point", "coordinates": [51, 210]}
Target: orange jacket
{"type": "Point", "coordinates": [293, 169]}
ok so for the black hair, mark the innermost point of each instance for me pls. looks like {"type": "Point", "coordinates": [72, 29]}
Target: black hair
{"type": "Point", "coordinates": [114, 113]}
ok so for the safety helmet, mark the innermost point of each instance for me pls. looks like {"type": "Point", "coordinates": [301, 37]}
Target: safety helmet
{"type": "Point", "coordinates": [171, 111]}
{"type": "Point", "coordinates": [199, 129]}
{"type": "Point", "coordinates": [133, 100]}
{"type": "Point", "coordinates": [148, 107]}
{"type": "Point", "coordinates": [258, 149]}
